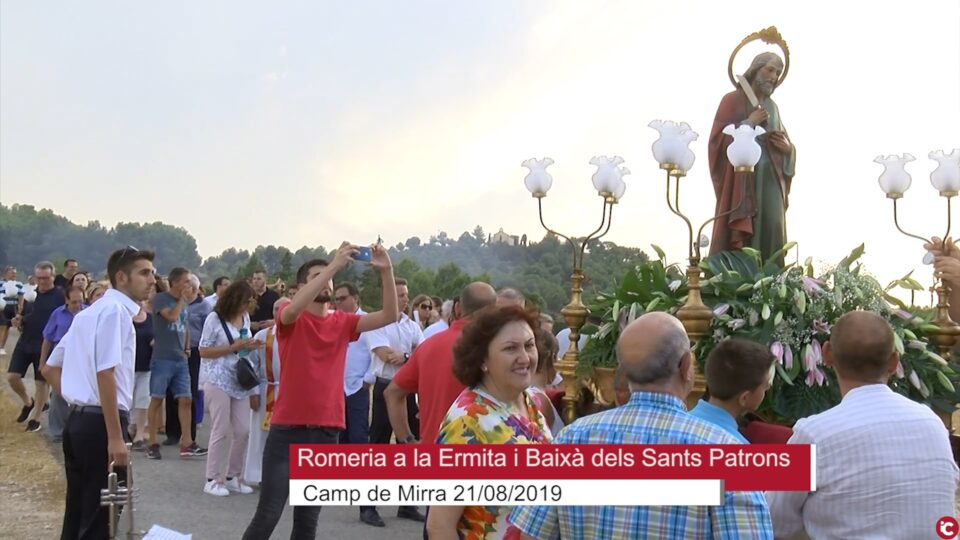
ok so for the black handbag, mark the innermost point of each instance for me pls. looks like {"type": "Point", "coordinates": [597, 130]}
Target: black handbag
{"type": "Point", "coordinates": [247, 376]}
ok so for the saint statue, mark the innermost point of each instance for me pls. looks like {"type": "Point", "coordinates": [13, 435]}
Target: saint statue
{"type": "Point", "coordinates": [759, 201]}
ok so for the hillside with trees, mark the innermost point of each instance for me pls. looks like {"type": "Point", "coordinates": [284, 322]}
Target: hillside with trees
{"type": "Point", "coordinates": [439, 266]}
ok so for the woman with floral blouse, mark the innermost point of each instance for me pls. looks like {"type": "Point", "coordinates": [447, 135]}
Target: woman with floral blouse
{"type": "Point", "coordinates": [494, 358]}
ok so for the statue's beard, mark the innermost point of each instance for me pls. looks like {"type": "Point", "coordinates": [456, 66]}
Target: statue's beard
{"type": "Point", "coordinates": [766, 87]}
{"type": "Point", "coordinates": [322, 298]}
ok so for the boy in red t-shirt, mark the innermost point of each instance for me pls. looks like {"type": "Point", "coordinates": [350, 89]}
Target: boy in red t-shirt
{"type": "Point", "coordinates": [309, 408]}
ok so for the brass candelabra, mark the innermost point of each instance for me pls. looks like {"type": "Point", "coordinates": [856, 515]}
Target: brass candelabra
{"type": "Point", "coordinates": [610, 187]}
{"type": "Point", "coordinates": [694, 314]}
{"type": "Point", "coordinates": [946, 179]}
{"type": "Point", "coordinates": [672, 152]}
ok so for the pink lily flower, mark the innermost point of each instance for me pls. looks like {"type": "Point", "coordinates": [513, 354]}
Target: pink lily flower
{"type": "Point", "coordinates": [812, 285]}
{"type": "Point", "coordinates": [816, 376]}
{"type": "Point", "coordinates": [809, 361]}
{"type": "Point", "coordinates": [776, 348]}
{"type": "Point", "coordinates": [817, 351]}
{"type": "Point", "coordinates": [788, 358]}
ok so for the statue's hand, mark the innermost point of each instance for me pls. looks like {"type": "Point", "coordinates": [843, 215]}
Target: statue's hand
{"type": "Point", "coordinates": [758, 116]}
{"type": "Point", "coordinates": [779, 141]}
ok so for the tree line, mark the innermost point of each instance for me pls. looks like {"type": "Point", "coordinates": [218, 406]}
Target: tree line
{"type": "Point", "coordinates": [439, 266]}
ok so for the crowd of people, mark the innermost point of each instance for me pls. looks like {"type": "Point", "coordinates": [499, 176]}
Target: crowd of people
{"type": "Point", "coordinates": [139, 354]}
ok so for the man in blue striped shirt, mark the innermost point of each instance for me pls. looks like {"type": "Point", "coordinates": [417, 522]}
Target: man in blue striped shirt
{"type": "Point", "coordinates": [654, 353]}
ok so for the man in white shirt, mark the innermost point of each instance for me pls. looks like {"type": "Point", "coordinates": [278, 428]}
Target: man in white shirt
{"type": "Point", "coordinates": [93, 369]}
{"type": "Point", "coordinates": [219, 285]}
{"type": "Point", "coordinates": [392, 346]}
{"type": "Point", "coordinates": [884, 464]}
{"type": "Point", "coordinates": [357, 380]}
{"type": "Point", "coordinates": [12, 292]}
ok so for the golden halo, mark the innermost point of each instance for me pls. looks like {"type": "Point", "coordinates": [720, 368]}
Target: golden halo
{"type": "Point", "coordinates": [767, 35]}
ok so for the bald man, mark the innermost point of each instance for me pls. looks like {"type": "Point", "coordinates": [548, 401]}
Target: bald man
{"type": "Point", "coordinates": [655, 357]}
{"type": "Point", "coordinates": [884, 464]}
{"type": "Point", "coordinates": [508, 296]}
{"type": "Point", "coordinates": [434, 384]}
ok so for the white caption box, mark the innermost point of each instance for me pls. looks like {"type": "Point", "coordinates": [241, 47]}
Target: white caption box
{"type": "Point", "coordinates": [508, 493]}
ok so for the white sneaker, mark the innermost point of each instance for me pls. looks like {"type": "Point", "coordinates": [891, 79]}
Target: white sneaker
{"type": "Point", "coordinates": [215, 488]}
{"type": "Point", "coordinates": [235, 486]}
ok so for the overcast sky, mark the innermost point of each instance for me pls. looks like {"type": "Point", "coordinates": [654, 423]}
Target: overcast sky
{"type": "Point", "coordinates": [311, 122]}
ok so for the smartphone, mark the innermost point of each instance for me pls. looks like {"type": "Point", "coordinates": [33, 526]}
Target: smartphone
{"type": "Point", "coordinates": [364, 254]}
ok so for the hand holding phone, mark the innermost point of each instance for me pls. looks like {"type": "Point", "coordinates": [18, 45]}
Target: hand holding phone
{"type": "Point", "coordinates": [364, 254]}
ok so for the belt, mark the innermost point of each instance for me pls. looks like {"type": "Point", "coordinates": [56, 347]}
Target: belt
{"type": "Point", "coordinates": [94, 409]}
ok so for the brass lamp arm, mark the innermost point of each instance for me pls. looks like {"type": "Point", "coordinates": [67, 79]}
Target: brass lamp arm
{"type": "Point", "coordinates": [676, 210]}
{"type": "Point", "coordinates": [897, 223]}
{"type": "Point", "coordinates": [604, 222]}
{"type": "Point", "coordinates": [943, 241]}
{"type": "Point", "coordinates": [551, 231]}
{"type": "Point", "coordinates": [743, 195]}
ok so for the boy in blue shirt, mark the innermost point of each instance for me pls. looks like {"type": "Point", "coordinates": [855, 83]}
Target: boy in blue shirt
{"type": "Point", "coordinates": [738, 374]}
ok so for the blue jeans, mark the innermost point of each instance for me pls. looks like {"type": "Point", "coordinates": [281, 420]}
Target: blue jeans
{"type": "Point", "coordinates": [358, 421]}
{"type": "Point", "coordinates": [357, 417]}
{"type": "Point", "coordinates": [169, 374]}
{"type": "Point", "coordinates": [275, 487]}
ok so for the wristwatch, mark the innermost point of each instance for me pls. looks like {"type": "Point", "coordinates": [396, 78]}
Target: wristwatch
{"type": "Point", "coordinates": [406, 356]}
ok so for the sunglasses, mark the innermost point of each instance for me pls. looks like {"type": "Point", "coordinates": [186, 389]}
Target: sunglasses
{"type": "Point", "coordinates": [426, 306]}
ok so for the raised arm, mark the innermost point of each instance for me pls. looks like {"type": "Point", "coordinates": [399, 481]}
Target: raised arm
{"type": "Point", "coordinates": [308, 291]}
{"type": "Point", "coordinates": [171, 314]}
{"type": "Point", "coordinates": [390, 312]}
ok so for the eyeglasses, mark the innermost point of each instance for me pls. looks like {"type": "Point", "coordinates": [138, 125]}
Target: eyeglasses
{"type": "Point", "coordinates": [426, 306]}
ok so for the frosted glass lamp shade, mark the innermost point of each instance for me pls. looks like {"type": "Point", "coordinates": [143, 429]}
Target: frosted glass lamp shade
{"type": "Point", "coordinates": [895, 180]}
{"type": "Point", "coordinates": [946, 177]}
{"type": "Point", "coordinates": [538, 180]}
{"type": "Point", "coordinates": [744, 152]}
{"type": "Point", "coordinates": [672, 148]}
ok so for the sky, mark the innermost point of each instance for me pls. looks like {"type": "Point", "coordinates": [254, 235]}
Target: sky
{"type": "Point", "coordinates": [308, 123]}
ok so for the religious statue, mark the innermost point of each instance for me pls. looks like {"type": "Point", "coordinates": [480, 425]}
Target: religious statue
{"type": "Point", "coordinates": [756, 203]}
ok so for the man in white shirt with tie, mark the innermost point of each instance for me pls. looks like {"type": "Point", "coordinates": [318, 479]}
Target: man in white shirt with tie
{"type": "Point", "coordinates": [884, 464]}
{"type": "Point", "coordinates": [93, 368]}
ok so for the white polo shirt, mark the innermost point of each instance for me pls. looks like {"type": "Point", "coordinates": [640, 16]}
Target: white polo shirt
{"type": "Point", "coordinates": [402, 337]}
{"type": "Point", "coordinates": [884, 470]}
{"type": "Point", "coordinates": [101, 337]}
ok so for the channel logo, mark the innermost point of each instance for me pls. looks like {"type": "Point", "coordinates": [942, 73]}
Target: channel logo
{"type": "Point", "coordinates": [947, 527]}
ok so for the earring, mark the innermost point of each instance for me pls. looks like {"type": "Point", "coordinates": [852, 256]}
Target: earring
{"type": "Point", "coordinates": [483, 369]}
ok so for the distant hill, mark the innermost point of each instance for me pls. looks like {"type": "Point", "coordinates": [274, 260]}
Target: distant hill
{"type": "Point", "coordinates": [440, 266]}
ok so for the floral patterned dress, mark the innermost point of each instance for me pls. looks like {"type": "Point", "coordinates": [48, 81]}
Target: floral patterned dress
{"type": "Point", "coordinates": [476, 417]}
